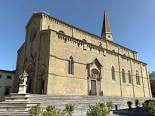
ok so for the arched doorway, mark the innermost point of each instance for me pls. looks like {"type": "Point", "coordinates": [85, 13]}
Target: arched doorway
{"type": "Point", "coordinates": [95, 81]}
{"type": "Point", "coordinates": [30, 72]}
{"type": "Point", "coordinates": [94, 78]}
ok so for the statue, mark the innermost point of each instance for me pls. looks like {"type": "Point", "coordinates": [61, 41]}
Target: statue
{"type": "Point", "coordinates": [23, 78]}
{"type": "Point", "coordinates": [22, 83]}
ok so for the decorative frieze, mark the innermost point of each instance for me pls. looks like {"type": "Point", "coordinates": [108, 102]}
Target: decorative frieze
{"type": "Point", "coordinates": [90, 46]}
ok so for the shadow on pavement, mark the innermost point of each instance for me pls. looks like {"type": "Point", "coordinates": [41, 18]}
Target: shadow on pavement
{"type": "Point", "coordinates": [133, 112]}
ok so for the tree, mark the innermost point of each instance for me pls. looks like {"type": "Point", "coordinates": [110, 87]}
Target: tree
{"type": "Point", "coordinates": [152, 82]}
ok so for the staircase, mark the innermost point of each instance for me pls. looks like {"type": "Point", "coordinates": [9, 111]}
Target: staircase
{"type": "Point", "coordinates": [81, 102]}
{"type": "Point", "coordinates": [18, 104]}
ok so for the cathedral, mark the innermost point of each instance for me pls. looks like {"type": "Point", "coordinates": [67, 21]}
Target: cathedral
{"type": "Point", "coordinates": [62, 59]}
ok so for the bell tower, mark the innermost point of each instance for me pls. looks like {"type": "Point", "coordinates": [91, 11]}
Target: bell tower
{"type": "Point", "coordinates": [106, 31]}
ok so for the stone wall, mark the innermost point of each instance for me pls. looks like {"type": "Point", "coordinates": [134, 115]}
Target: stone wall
{"type": "Point", "coordinates": [60, 82]}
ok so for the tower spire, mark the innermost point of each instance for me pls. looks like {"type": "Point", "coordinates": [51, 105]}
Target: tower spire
{"type": "Point", "coordinates": [106, 31]}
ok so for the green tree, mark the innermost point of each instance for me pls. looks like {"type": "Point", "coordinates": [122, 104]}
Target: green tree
{"type": "Point", "coordinates": [151, 107]}
{"type": "Point", "coordinates": [152, 82]}
{"type": "Point", "coordinates": [152, 75]}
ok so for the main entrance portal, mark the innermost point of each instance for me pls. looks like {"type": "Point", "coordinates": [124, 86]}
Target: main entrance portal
{"type": "Point", "coordinates": [94, 78]}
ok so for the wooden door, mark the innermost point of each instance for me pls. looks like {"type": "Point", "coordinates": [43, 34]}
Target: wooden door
{"type": "Point", "coordinates": [93, 87]}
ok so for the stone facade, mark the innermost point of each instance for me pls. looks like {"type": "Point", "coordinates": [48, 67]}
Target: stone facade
{"type": "Point", "coordinates": [64, 60]}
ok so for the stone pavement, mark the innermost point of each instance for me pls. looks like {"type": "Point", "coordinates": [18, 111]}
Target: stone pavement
{"type": "Point", "coordinates": [139, 112]}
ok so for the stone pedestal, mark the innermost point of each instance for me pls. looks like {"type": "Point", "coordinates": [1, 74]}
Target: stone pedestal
{"type": "Point", "coordinates": [22, 89]}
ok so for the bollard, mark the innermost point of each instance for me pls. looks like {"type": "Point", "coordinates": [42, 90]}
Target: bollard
{"type": "Point", "coordinates": [116, 107]}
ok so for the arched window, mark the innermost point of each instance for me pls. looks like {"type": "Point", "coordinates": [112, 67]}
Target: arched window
{"type": "Point", "coordinates": [71, 65]}
{"type": "Point", "coordinates": [129, 77]}
{"type": "Point", "coordinates": [123, 76]}
{"type": "Point", "coordinates": [137, 77]}
{"type": "Point", "coordinates": [113, 73]}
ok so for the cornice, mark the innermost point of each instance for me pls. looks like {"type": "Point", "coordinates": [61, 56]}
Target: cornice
{"type": "Point", "coordinates": [67, 38]}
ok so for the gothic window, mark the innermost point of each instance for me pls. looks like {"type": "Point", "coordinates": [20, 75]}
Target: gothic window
{"type": "Point", "coordinates": [113, 73]}
{"type": "Point", "coordinates": [71, 65]}
{"type": "Point", "coordinates": [137, 77]}
{"type": "Point", "coordinates": [123, 76]}
{"type": "Point", "coordinates": [129, 76]}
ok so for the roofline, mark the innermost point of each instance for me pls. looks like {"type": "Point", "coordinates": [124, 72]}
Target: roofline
{"type": "Point", "coordinates": [21, 47]}
{"type": "Point", "coordinates": [40, 14]}
{"type": "Point", "coordinates": [8, 71]}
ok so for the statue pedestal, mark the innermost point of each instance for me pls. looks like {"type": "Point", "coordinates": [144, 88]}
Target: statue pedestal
{"type": "Point", "coordinates": [22, 89]}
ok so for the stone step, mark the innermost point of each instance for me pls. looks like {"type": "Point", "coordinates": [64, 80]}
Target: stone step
{"type": "Point", "coordinates": [15, 113]}
{"type": "Point", "coordinates": [14, 108]}
{"type": "Point", "coordinates": [78, 100]}
{"type": "Point", "coordinates": [17, 104]}
{"type": "Point", "coordinates": [21, 103]}
{"type": "Point", "coordinates": [12, 104]}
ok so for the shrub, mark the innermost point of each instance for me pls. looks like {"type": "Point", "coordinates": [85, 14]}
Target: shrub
{"type": "Point", "coordinates": [147, 102]}
{"type": "Point", "coordinates": [109, 106]}
{"type": "Point", "coordinates": [69, 109]}
{"type": "Point", "coordinates": [129, 103]}
{"type": "Point", "coordinates": [151, 107]}
{"type": "Point", "coordinates": [137, 103]}
{"type": "Point", "coordinates": [35, 110]}
{"type": "Point", "coordinates": [51, 111]}
{"type": "Point", "coordinates": [100, 109]}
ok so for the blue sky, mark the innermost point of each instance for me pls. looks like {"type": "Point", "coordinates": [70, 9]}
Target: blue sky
{"type": "Point", "coordinates": [132, 23]}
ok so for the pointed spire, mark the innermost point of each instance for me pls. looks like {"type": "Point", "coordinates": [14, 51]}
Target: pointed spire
{"type": "Point", "coordinates": [106, 31]}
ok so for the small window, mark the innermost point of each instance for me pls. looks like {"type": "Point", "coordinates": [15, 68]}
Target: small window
{"type": "Point", "coordinates": [9, 77]}
{"type": "Point", "coordinates": [83, 44]}
{"type": "Point", "coordinates": [84, 40]}
{"type": "Point", "coordinates": [123, 76]}
{"type": "Point", "coordinates": [113, 73]}
{"type": "Point", "coordinates": [61, 32]}
{"type": "Point", "coordinates": [71, 65]}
